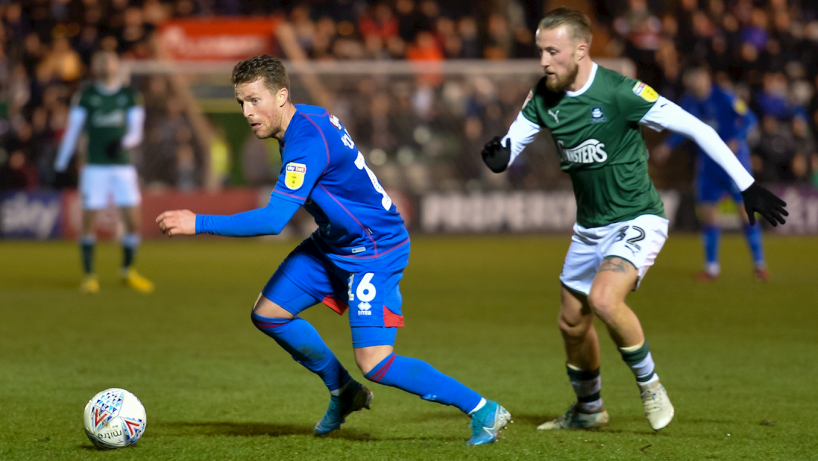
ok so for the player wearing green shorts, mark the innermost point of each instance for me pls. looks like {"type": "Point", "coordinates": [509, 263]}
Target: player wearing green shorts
{"type": "Point", "coordinates": [113, 116]}
{"type": "Point", "coordinates": [595, 117]}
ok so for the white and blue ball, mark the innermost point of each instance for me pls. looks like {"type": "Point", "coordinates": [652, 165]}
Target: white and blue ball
{"type": "Point", "coordinates": [114, 418]}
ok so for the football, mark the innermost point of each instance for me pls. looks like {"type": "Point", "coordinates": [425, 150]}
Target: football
{"type": "Point", "coordinates": [114, 418]}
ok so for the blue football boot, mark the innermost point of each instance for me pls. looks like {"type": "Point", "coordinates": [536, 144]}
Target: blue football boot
{"type": "Point", "coordinates": [487, 422]}
{"type": "Point", "coordinates": [354, 397]}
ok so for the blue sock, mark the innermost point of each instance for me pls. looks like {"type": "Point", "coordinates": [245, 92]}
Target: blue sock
{"type": "Point", "coordinates": [753, 236]}
{"type": "Point", "coordinates": [710, 238]}
{"type": "Point", "coordinates": [419, 378]}
{"type": "Point", "coordinates": [303, 342]}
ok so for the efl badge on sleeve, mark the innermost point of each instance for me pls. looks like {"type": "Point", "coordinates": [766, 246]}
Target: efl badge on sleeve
{"type": "Point", "coordinates": [739, 106]}
{"type": "Point", "coordinates": [645, 92]}
{"type": "Point", "coordinates": [294, 177]}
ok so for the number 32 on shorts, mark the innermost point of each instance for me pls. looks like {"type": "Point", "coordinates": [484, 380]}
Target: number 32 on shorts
{"type": "Point", "coordinates": [640, 235]}
{"type": "Point", "coordinates": [366, 292]}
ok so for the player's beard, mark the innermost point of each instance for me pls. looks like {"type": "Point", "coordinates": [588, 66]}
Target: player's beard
{"type": "Point", "coordinates": [561, 83]}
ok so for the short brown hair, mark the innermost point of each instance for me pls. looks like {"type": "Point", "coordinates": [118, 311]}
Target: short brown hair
{"type": "Point", "coordinates": [578, 21]}
{"type": "Point", "coordinates": [268, 68]}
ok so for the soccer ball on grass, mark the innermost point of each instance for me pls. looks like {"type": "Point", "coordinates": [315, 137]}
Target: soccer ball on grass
{"type": "Point", "coordinates": [114, 418]}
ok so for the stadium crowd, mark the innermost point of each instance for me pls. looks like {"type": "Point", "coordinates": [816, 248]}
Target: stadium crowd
{"type": "Point", "coordinates": [766, 51]}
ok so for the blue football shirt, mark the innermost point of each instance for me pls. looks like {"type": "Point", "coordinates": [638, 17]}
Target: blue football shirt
{"type": "Point", "coordinates": [728, 115]}
{"type": "Point", "coordinates": [323, 170]}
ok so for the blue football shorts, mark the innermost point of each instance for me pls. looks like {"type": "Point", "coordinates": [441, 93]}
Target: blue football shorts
{"type": "Point", "coordinates": [370, 291]}
{"type": "Point", "coordinates": [712, 185]}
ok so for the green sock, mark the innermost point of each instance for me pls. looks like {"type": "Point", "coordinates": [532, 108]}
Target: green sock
{"type": "Point", "coordinates": [588, 387]}
{"type": "Point", "coordinates": [639, 360]}
{"type": "Point", "coordinates": [130, 243]}
{"type": "Point", "coordinates": [87, 244]}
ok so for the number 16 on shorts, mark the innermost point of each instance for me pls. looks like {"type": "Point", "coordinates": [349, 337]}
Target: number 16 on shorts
{"type": "Point", "coordinates": [365, 293]}
{"type": "Point", "coordinates": [375, 299]}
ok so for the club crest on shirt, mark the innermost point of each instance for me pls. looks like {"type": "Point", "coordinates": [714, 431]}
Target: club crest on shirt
{"type": "Point", "coordinates": [645, 92]}
{"type": "Point", "coordinates": [597, 115]}
{"type": "Point", "coordinates": [294, 177]}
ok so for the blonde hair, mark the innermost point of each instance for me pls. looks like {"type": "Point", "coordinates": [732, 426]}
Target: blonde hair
{"type": "Point", "coordinates": [578, 21]}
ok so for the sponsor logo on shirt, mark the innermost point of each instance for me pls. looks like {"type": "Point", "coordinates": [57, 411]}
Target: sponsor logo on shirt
{"type": "Point", "coordinates": [590, 151]}
{"type": "Point", "coordinates": [113, 119]}
{"type": "Point", "coordinates": [294, 177]}
{"type": "Point", "coordinates": [645, 92]}
{"type": "Point", "coordinates": [597, 115]}
{"type": "Point", "coordinates": [335, 122]}
{"type": "Point", "coordinates": [363, 308]}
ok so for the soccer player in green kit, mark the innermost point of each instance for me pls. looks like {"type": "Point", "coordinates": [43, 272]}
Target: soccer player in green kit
{"type": "Point", "coordinates": [113, 116]}
{"type": "Point", "coordinates": [595, 116]}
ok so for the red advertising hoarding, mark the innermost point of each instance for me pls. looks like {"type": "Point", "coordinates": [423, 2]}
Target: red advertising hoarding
{"type": "Point", "coordinates": [219, 39]}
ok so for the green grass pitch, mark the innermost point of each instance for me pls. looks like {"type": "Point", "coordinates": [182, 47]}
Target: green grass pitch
{"type": "Point", "coordinates": [738, 357]}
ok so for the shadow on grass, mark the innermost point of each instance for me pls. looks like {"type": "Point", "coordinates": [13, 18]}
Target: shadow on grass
{"type": "Point", "coordinates": [613, 428]}
{"type": "Point", "coordinates": [276, 430]}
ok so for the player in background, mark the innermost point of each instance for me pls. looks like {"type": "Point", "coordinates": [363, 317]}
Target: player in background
{"type": "Point", "coordinates": [732, 120]}
{"type": "Point", "coordinates": [354, 261]}
{"type": "Point", "coordinates": [113, 116]}
{"type": "Point", "coordinates": [595, 116]}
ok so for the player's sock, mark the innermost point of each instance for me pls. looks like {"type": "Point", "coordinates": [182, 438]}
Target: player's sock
{"type": "Point", "coordinates": [302, 341]}
{"type": "Point", "coordinates": [588, 386]}
{"type": "Point", "coordinates": [753, 236]}
{"type": "Point", "coordinates": [639, 360]}
{"type": "Point", "coordinates": [710, 237]}
{"type": "Point", "coordinates": [419, 378]}
{"type": "Point", "coordinates": [87, 244]}
{"type": "Point", "coordinates": [130, 243]}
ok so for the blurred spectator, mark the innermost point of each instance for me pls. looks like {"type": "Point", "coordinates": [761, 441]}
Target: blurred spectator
{"type": "Point", "coordinates": [467, 27]}
{"type": "Point", "coordinates": [641, 30]}
{"type": "Point", "coordinates": [775, 151]}
{"type": "Point", "coordinates": [379, 21]}
{"type": "Point", "coordinates": [499, 43]}
{"type": "Point", "coordinates": [409, 20]}
{"type": "Point", "coordinates": [773, 99]}
{"type": "Point", "coordinates": [65, 63]}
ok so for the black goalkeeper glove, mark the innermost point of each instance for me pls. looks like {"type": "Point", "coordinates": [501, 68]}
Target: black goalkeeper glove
{"type": "Point", "coordinates": [113, 149]}
{"type": "Point", "coordinates": [495, 155]}
{"type": "Point", "coordinates": [759, 200]}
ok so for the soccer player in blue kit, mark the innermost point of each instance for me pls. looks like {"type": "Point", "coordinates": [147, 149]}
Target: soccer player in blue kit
{"type": "Point", "coordinates": [354, 261]}
{"type": "Point", "coordinates": [732, 120]}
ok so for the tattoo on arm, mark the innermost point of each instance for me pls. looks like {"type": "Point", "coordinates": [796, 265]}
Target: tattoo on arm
{"type": "Point", "coordinates": [615, 264]}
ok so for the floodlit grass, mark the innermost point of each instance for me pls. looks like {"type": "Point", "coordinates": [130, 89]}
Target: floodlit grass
{"type": "Point", "coordinates": [738, 357]}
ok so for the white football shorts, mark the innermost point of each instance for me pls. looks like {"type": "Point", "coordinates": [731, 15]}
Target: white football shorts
{"type": "Point", "coordinates": [98, 183]}
{"type": "Point", "coordinates": [638, 241]}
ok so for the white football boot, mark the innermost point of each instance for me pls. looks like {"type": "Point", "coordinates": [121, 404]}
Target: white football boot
{"type": "Point", "coordinates": [573, 419]}
{"type": "Point", "coordinates": [658, 408]}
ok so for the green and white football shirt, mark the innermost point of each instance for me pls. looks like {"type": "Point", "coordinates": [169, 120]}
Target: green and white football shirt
{"type": "Point", "coordinates": [597, 133]}
{"type": "Point", "coordinates": [106, 122]}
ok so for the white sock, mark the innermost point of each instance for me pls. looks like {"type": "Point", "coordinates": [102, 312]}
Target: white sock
{"type": "Point", "coordinates": [590, 407]}
{"type": "Point", "coordinates": [650, 381]}
{"type": "Point", "coordinates": [479, 406]}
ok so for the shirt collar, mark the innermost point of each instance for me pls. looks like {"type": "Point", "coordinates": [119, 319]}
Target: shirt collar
{"type": "Point", "coordinates": [587, 85]}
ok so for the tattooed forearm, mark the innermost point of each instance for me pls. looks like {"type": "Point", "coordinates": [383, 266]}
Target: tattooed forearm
{"type": "Point", "coordinates": [614, 264]}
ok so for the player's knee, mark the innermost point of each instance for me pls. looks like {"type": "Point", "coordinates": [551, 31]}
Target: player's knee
{"type": "Point", "coordinates": [266, 308]}
{"type": "Point", "coordinates": [368, 358]}
{"type": "Point", "coordinates": [574, 325]}
{"type": "Point", "coordinates": [603, 302]}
